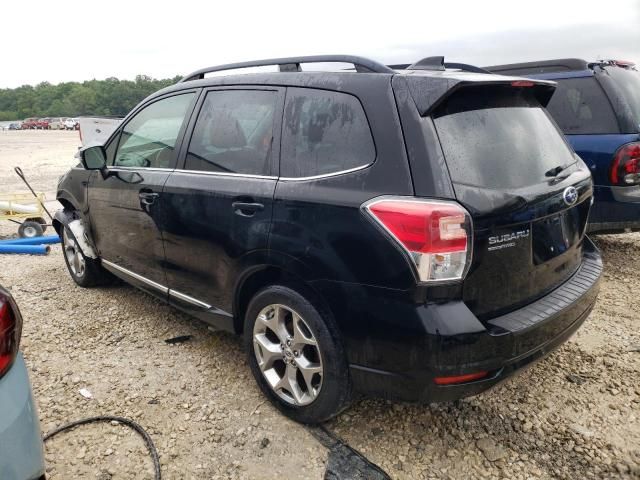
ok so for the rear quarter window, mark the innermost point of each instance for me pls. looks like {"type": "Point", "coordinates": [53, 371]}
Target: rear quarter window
{"type": "Point", "coordinates": [628, 83]}
{"type": "Point", "coordinates": [580, 106]}
{"type": "Point", "coordinates": [324, 132]}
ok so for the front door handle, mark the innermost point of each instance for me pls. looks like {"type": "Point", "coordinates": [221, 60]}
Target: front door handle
{"type": "Point", "coordinates": [147, 198]}
{"type": "Point", "coordinates": [246, 209]}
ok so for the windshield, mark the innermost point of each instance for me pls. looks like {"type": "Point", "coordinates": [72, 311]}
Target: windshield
{"type": "Point", "coordinates": [499, 138]}
{"type": "Point", "coordinates": [629, 83]}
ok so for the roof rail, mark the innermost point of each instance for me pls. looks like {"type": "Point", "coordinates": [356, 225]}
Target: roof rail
{"type": "Point", "coordinates": [292, 64]}
{"type": "Point", "coordinates": [459, 66]}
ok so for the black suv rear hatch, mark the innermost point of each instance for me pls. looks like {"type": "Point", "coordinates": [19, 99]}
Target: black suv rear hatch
{"type": "Point", "coordinates": [529, 195]}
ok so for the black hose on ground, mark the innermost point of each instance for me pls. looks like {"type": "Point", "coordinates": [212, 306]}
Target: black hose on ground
{"type": "Point", "coordinates": [125, 421]}
{"type": "Point", "coordinates": [344, 462]}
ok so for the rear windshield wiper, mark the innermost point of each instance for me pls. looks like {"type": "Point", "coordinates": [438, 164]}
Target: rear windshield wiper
{"type": "Point", "coordinates": [555, 171]}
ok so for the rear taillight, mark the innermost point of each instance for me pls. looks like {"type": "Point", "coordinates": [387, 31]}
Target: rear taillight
{"type": "Point", "coordinates": [436, 235]}
{"type": "Point", "coordinates": [625, 168]}
{"type": "Point", "coordinates": [9, 334]}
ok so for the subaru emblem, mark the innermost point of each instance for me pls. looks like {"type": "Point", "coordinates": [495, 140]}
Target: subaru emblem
{"type": "Point", "coordinates": [570, 195]}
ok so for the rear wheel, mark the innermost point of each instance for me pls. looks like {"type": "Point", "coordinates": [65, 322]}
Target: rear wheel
{"type": "Point", "coordinates": [85, 271]}
{"type": "Point", "coordinates": [295, 355]}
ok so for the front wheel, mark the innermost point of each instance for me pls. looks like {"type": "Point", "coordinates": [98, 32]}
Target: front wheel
{"type": "Point", "coordinates": [85, 271]}
{"type": "Point", "coordinates": [295, 355]}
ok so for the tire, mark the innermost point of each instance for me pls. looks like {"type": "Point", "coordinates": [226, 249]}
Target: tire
{"type": "Point", "coordinates": [30, 228]}
{"type": "Point", "coordinates": [41, 221]}
{"type": "Point", "coordinates": [325, 389]}
{"type": "Point", "coordinates": [86, 272]}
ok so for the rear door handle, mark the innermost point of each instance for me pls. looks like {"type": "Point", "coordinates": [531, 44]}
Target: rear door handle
{"type": "Point", "coordinates": [148, 198]}
{"type": "Point", "coordinates": [246, 209]}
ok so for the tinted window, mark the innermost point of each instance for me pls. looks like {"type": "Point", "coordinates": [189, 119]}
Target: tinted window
{"type": "Point", "coordinates": [628, 81]}
{"type": "Point", "coordinates": [234, 132]}
{"type": "Point", "coordinates": [499, 138]}
{"type": "Point", "coordinates": [324, 132]}
{"type": "Point", "coordinates": [149, 138]}
{"type": "Point", "coordinates": [580, 106]}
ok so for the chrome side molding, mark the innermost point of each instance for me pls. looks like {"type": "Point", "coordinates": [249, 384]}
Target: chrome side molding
{"type": "Point", "coordinates": [140, 278]}
{"type": "Point", "coordinates": [188, 299]}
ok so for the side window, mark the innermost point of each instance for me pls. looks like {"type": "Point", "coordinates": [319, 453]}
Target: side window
{"type": "Point", "coordinates": [234, 132]}
{"type": "Point", "coordinates": [149, 138]}
{"type": "Point", "coordinates": [580, 106]}
{"type": "Point", "coordinates": [324, 132]}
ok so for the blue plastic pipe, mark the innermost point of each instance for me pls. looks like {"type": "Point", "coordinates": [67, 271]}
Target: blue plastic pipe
{"type": "Point", "coordinates": [29, 249]}
{"type": "Point", "coordinates": [31, 240]}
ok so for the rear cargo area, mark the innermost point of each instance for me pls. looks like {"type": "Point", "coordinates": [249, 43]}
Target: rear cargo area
{"type": "Point", "coordinates": [528, 194]}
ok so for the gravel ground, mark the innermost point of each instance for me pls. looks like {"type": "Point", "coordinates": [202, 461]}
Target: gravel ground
{"type": "Point", "coordinates": [575, 414]}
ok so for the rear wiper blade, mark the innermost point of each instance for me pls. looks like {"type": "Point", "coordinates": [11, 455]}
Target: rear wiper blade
{"type": "Point", "coordinates": [555, 171]}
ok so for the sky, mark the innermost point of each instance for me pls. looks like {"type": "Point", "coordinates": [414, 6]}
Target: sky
{"type": "Point", "coordinates": [74, 40]}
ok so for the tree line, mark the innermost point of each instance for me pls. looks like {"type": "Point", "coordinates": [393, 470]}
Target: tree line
{"type": "Point", "coordinates": [71, 99]}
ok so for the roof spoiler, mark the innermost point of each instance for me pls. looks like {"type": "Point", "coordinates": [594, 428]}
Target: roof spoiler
{"type": "Point", "coordinates": [542, 66]}
{"type": "Point", "coordinates": [429, 93]}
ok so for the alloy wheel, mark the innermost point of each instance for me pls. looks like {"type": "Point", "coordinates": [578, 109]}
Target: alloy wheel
{"type": "Point", "coordinates": [75, 259]}
{"type": "Point", "coordinates": [288, 354]}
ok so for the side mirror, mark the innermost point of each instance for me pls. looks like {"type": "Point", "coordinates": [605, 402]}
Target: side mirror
{"type": "Point", "coordinates": [94, 158]}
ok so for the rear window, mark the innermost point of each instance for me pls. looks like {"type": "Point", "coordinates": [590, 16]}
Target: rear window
{"type": "Point", "coordinates": [496, 137]}
{"type": "Point", "coordinates": [580, 107]}
{"type": "Point", "coordinates": [628, 81]}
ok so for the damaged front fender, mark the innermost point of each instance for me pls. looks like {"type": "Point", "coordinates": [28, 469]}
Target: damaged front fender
{"type": "Point", "coordinates": [75, 227]}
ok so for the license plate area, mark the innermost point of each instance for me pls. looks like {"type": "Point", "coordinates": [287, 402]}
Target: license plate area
{"type": "Point", "coordinates": [555, 235]}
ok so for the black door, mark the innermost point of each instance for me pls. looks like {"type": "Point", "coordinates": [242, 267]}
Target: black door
{"type": "Point", "coordinates": [219, 202]}
{"type": "Point", "coordinates": [125, 208]}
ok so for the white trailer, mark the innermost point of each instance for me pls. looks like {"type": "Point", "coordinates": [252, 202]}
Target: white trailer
{"type": "Point", "coordinates": [96, 130]}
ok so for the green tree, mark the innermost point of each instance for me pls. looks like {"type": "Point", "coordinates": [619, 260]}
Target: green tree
{"type": "Point", "coordinates": [69, 99]}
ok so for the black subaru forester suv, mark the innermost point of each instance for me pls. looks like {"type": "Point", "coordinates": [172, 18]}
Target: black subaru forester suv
{"type": "Point", "coordinates": [414, 234]}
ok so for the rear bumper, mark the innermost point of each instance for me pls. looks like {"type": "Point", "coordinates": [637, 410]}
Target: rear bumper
{"type": "Point", "coordinates": [401, 358]}
{"type": "Point", "coordinates": [21, 453]}
{"type": "Point", "coordinates": [615, 210]}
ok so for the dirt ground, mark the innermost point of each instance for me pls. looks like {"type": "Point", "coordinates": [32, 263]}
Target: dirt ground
{"type": "Point", "coordinates": [576, 414]}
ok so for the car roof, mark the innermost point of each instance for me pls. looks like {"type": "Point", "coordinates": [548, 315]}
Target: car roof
{"type": "Point", "coordinates": [367, 77]}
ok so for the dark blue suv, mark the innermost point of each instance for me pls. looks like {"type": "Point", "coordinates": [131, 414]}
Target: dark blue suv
{"type": "Point", "coordinates": [597, 106]}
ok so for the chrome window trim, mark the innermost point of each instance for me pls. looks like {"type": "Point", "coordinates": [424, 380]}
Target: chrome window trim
{"type": "Point", "coordinates": [227, 174]}
{"type": "Point", "coordinates": [273, 177]}
{"type": "Point", "coordinates": [327, 175]}
{"type": "Point", "coordinates": [122, 168]}
{"type": "Point", "coordinates": [188, 299]}
{"type": "Point", "coordinates": [151, 283]}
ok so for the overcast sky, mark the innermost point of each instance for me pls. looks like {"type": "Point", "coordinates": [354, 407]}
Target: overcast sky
{"type": "Point", "coordinates": [69, 40]}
